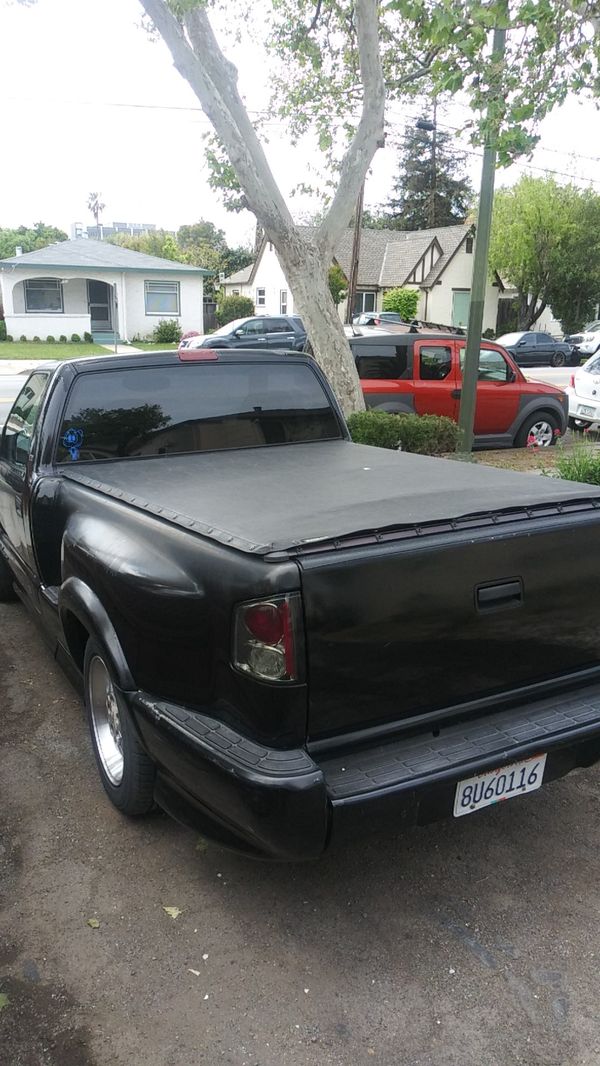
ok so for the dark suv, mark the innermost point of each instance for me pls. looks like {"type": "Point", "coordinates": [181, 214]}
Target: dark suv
{"type": "Point", "coordinates": [267, 331]}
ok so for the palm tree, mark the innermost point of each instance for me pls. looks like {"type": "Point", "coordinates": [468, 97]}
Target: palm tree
{"type": "Point", "coordinates": [95, 205]}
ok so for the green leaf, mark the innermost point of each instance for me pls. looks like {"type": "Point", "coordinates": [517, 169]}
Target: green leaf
{"type": "Point", "coordinates": [173, 912]}
{"type": "Point", "coordinates": [93, 923]}
{"type": "Point", "coordinates": [4, 1000]}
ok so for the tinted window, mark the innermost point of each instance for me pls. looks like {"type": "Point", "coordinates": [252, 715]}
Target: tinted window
{"type": "Point", "coordinates": [256, 326]}
{"type": "Point", "coordinates": [278, 325]}
{"type": "Point", "coordinates": [492, 365]}
{"type": "Point", "coordinates": [117, 414]}
{"type": "Point", "coordinates": [436, 362]}
{"type": "Point", "coordinates": [386, 362]}
{"type": "Point", "coordinates": [20, 424]}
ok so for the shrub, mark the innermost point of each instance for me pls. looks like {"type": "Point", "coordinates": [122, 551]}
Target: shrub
{"type": "Point", "coordinates": [50, 340]}
{"type": "Point", "coordinates": [425, 434]}
{"type": "Point", "coordinates": [36, 340]}
{"type": "Point", "coordinates": [168, 331]}
{"type": "Point", "coordinates": [62, 339]}
{"type": "Point", "coordinates": [23, 338]}
{"type": "Point", "coordinates": [88, 339]}
{"type": "Point", "coordinates": [338, 284]}
{"type": "Point", "coordinates": [2, 330]}
{"type": "Point", "coordinates": [581, 464]}
{"type": "Point", "coordinates": [75, 338]}
{"type": "Point", "coordinates": [489, 334]}
{"type": "Point", "coordinates": [231, 307]}
{"type": "Point", "coordinates": [9, 338]}
{"type": "Point", "coordinates": [404, 301]}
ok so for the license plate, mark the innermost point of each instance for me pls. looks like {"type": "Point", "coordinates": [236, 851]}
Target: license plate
{"type": "Point", "coordinates": [586, 410]}
{"type": "Point", "coordinates": [505, 783]}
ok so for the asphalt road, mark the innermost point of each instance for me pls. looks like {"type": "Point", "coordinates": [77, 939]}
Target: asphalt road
{"type": "Point", "coordinates": [465, 943]}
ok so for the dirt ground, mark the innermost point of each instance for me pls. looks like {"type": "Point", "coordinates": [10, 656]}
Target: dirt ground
{"type": "Point", "coordinates": [468, 943]}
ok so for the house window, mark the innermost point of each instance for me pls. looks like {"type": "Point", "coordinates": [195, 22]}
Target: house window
{"type": "Point", "coordinates": [44, 294]}
{"type": "Point", "coordinates": [469, 246]}
{"type": "Point", "coordinates": [364, 301]}
{"type": "Point", "coordinates": [162, 297]}
{"type": "Point", "coordinates": [283, 302]}
{"type": "Point", "coordinates": [235, 292]}
{"type": "Point", "coordinates": [261, 297]}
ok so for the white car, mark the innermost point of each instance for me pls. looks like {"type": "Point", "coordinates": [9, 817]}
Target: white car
{"type": "Point", "coordinates": [584, 394]}
{"type": "Point", "coordinates": [588, 341]}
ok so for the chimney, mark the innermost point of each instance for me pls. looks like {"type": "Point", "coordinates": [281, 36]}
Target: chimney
{"type": "Point", "coordinates": [18, 250]}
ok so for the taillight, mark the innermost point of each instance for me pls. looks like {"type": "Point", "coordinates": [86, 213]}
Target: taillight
{"type": "Point", "coordinates": [197, 355]}
{"type": "Point", "coordinates": [267, 640]}
{"type": "Point", "coordinates": [572, 381]}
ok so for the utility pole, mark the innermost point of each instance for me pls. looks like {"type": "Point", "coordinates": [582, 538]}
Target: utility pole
{"type": "Point", "coordinates": [466, 418]}
{"type": "Point", "coordinates": [433, 166]}
{"type": "Point", "coordinates": [353, 279]}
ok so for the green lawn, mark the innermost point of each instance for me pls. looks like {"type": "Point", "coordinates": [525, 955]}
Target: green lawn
{"type": "Point", "coordinates": [31, 350]}
{"type": "Point", "coordinates": [152, 346]}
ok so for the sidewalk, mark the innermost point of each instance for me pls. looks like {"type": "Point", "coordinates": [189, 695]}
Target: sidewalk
{"type": "Point", "coordinates": [10, 367]}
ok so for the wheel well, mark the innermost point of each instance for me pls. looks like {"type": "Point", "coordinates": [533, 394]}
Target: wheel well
{"type": "Point", "coordinates": [539, 412]}
{"type": "Point", "coordinates": [77, 637]}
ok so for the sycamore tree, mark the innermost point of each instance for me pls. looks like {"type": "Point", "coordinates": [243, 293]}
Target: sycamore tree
{"type": "Point", "coordinates": [546, 243]}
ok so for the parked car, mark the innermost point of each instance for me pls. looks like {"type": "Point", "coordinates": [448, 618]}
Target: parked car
{"type": "Point", "coordinates": [376, 318]}
{"type": "Point", "coordinates": [283, 331]}
{"type": "Point", "coordinates": [282, 636]}
{"type": "Point", "coordinates": [588, 341]}
{"type": "Point", "coordinates": [584, 395]}
{"type": "Point", "coordinates": [422, 374]}
{"type": "Point", "coordinates": [530, 348]}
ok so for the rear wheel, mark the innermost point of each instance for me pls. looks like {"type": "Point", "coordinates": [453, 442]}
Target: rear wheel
{"type": "Point", "coordinates": [126, 771]}
{"type": "Point", "coordinates": [538, 431]}
{"type": "Point", "coordinates": [7, 592]}
{"type": "Point", "coordinates": [579, 426]}
{"type": "Point", "coordinates": [558, 359]}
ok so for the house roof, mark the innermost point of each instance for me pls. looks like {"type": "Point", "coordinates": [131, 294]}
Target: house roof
{"type": "Point", "coordinates": [241, 277]}
{"type": "Point", "coordinates": [87, 254]}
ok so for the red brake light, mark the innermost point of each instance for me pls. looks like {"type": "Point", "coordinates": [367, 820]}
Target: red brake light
{"type": "Point", "coordinates": [265, 622]}
{"type": "Point", "coordinates": [572, 381]}
{"type": "Point", "coordinates": [197, 355]}
{"type": "Point", "coordinates": [267, 638]}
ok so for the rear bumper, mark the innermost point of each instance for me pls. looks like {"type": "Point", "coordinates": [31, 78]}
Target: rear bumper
{"type": "Point", "coordinates": [286, 805]}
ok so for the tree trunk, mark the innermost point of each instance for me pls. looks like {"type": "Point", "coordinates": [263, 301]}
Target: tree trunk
{"type": "Point", "coordinates": [306, 270]}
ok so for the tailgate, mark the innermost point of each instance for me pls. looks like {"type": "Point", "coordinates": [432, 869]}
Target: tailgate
{"type": "Point", "coordinates": [401, 629]}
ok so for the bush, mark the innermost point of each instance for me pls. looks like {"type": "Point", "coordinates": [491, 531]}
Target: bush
{"type": "Point", "coordinates": [75, 338]}
{"type": "Point", "coordinates": [36, 340]}
{"type": "Point", "coordinates": [2, 330]}
{"type": "Point", "coordinates": [50, 340]}
{"type": "Point", "coordinates": [581, 464]}
{"type": "Point", "coordinates": [23, 339]}
{"type": "Point", "coordinates": [168, 331]}
{"type": "Point", "coordinates": [62, 339]}
{"type": "Point", "coordinates": [9, 338]}
{"type": "Point", "coordinates": [425, 434]}
{"type": "Point", "coordinates": [489, 334]}
{"type": "Point", "coordinates": [231, 307]}
{"type": "Point", "coordinates": [88, 339]}
{"type": "Point", "coordinates": [404, 301]}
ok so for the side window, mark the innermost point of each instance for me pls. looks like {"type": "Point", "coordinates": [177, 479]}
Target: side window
{"type": "Point", "coordinates": [278, 325]}
{"type": "Point", "coordinates": [383, 366]}
{"type": "Point", "coordinates": [436, 362]}
{"type": "Point", "coordinates": [492, 365]}
{"type": "Point", "coordinates": [252, 329]}
{"type": "Point", "coordinates": [20, 424]}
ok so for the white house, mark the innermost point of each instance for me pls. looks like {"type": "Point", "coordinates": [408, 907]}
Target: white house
{"type": "Point", "coordinates": [437, 262]}
{"type": "Point", "coordinates": [86, 286]}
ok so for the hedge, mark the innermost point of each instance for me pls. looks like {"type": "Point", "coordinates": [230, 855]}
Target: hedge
{"type": "Point", "coordinates": [425, 434]}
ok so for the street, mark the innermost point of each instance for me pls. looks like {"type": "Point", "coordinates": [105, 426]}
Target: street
{"type": "Point", "coordinates": [468, 942]}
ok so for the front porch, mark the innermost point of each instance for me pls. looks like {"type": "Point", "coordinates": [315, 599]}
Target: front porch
{"type": "Point", "coordinates": [59, 307]}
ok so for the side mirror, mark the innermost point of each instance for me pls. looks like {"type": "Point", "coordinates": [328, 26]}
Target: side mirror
{"type": "Point", "coordinates": [511, 376]}
{"type": "Point", "coordinates": [238, 333]}
{"type": "Point", "coordinates": [521, 343]}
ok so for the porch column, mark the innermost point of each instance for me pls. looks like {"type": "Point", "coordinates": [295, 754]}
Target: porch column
{"type": "Point", "coordinates": [7, 293]}
{"type": "Point", "coordinates": [123, 308]}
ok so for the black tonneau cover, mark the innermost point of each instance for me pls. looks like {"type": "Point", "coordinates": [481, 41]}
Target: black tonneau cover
{"type": "Point", "coordinates": [262, 500]}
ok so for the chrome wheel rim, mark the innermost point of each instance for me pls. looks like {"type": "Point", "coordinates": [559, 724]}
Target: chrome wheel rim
{"type": "Point", "coordinates": [541, 434]}
{"type": "Point", "coordinates": [106, 720]}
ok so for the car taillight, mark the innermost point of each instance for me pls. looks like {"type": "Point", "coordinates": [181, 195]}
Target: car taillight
{"type": "Point", "coordinates": [268, 639]}
{"type": "Point", "coordinates": [376, 321]}
{"type": "Point", "coordinates": [572, 381]}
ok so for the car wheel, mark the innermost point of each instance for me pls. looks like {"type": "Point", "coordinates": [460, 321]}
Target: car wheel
{"type": "Point", "coordinates": [7, 591]}
{"type": "Point", "coordinates": [126, 771]}
{"type": "Point", "coordinates": [539, 431]}
{"type": "Point", "coordinates": [579, 426]}
{"type": "Point", "coordinates": [558, 359]}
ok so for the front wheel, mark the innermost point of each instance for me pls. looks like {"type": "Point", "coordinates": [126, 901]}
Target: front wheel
{"type": "Point", "coordinates": [126, 771]}
{"type": "Point", "coordinates": [558, 359]}
{"type": "Point", "coordinates": [538, 431]}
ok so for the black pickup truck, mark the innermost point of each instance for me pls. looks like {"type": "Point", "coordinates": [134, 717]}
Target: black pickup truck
{"type": "Point", "coordinates": [281, 634]}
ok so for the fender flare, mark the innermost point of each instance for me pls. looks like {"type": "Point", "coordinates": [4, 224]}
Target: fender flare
{"type": "Point", "coordinates": [79, 599]}
{"type": "Point", "coordinates": [541, 404]}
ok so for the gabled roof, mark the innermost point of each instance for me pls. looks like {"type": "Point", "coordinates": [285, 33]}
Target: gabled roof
{"type": "Point", "coordinates": [241, 277]}
{"type": "Point", "coordinates": [449, 251]}
{"type": "Point", "coordinates": [87, 254]}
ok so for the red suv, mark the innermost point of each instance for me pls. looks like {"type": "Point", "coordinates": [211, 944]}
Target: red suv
{"type": "Point", "coordinates": [422, 373]}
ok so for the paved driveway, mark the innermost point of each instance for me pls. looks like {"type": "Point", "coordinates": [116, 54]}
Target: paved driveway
{"type": "Point", "coordinates": [470, 943]}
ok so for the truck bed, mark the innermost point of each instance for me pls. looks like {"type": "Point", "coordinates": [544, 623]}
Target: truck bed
{"type": "Point", "coordinates": [265, 500]}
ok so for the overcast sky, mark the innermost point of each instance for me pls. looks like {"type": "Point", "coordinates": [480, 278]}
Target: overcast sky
{"type": "Point", "coordinates": [68, 69]}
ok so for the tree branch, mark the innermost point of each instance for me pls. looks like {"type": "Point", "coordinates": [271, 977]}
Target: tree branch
{"type": "Point", "coordinates": [213, 78]}
{"type": "Point", "coordinates": [370, 131]}
{"type": "Point", "coordinates": [315, 18]}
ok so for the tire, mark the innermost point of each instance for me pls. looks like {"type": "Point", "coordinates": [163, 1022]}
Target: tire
{"type": "Point", "coordinates": [126, 771]}
{"type": "Point", "coordinates": [558, 359]}
{"type": "Point", "coordinates": [543, 425]}
{"type": "Point", "coordinates": [578, 426]}
{"type": "Point", "coordinates": [7, 591]}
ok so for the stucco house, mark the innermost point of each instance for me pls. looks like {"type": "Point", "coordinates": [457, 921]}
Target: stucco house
{"type": "Point", "coordinates": [437, 262]}
{"type": "Point", "coordinates": [85, 286]}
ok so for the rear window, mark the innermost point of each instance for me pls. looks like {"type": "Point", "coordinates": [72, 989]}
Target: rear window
{"type": "Point", "coordinates": [387, 363]}
{"type": "Point", "coordinates": [209, 407]}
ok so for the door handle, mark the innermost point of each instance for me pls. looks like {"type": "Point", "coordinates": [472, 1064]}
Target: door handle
{"type": "Point", "coordinates": [456, 394]}
{"type": "Point", "coordinates": [494, 597]}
